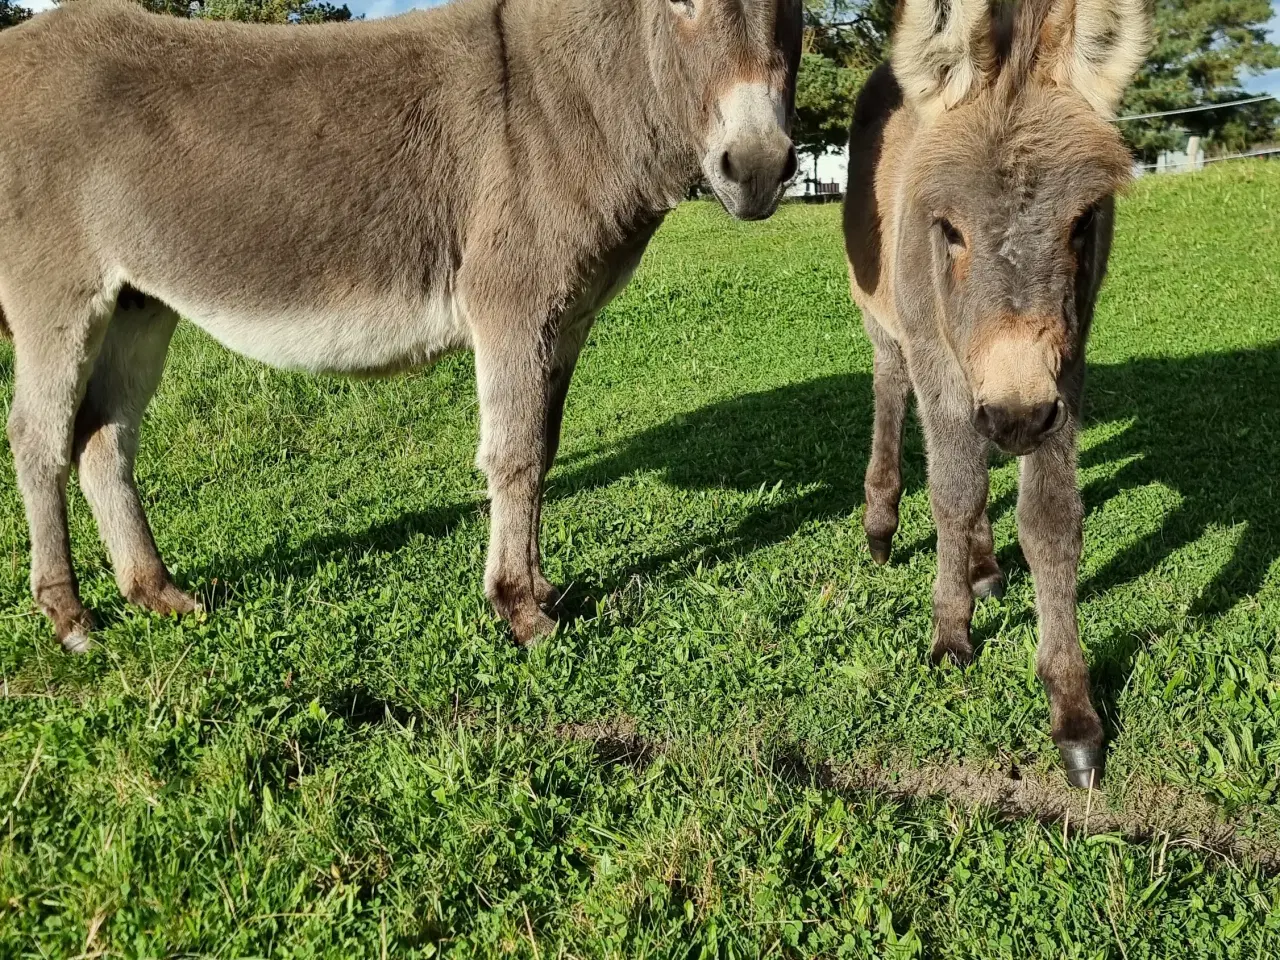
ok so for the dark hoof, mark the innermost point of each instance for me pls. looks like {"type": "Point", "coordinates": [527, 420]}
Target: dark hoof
{"type": "Point", "coordinates": [528, 627]}
{"type": "Point", "coordinates": [1083, 765]}
{"type": "Point", "coordinates": [881, 547]}
{"type": "Point", "coordinates": [954, 646]}
{"type": "Point", "coordinates": [988, 588]}
{"type": "Point", "coordinates": [545, 593]}
{"type": "Point", "coordinates": [164, 598]}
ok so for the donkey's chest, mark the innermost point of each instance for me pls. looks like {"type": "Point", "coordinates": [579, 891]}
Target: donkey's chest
{"type": "Point", "coordinates": [376, 336]}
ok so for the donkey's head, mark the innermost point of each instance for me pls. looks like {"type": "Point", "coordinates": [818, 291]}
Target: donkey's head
{"type": "Point", "coordinates": [1009, 192]}
{"type": "Point", "coordinates": [736, 63]}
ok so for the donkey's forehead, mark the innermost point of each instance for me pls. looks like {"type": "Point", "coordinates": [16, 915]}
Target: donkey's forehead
{"type": "Point", "coordinates": [762, 23]}
{"type": "Point", "coordinates": [1038, 151]}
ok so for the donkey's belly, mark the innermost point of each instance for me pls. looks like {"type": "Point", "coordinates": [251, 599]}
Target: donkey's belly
{"type": "Point", "coordinates": [375, 337]}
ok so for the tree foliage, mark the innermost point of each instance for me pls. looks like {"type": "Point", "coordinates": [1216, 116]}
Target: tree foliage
{"type": "Point", "coordinates": [269, 11]}
{"type": "Point", "coordinates": [1203, 50]}
{"type": "Point", "coordinates": [843, 41]}
{"type": "Point", "coordinates": [249, 11]}
{"type": "Point", "coordinates": [11, 14]}
{"type": "Point", "coordinates": [1203, 47]}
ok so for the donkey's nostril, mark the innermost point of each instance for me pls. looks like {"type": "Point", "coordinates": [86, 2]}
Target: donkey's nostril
{"type": "Point", "coordinates": [982, 421]}
{"type": "Point", "coordinates": [1042, 418]}
{"type": "Point", "coordinates": [726, 167]}
{"type": "Point", "coordinates": [793, 162]}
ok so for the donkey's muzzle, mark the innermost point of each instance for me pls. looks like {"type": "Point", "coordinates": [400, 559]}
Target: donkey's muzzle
{"type": "Point", "coordinates": [1019, 430]}
{"type": "Point", "coordinates": [756, 175]}
{"type": "Point", "coordinates": [749, 154]}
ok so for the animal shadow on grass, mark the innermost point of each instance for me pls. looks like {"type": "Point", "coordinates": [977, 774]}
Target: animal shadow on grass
{"type": "Point", "coordinates": [815, 435]}
{"type": "Point", "coordinates": [286, 560]}
{"type": "Point", "coordinates": [1206, 426]}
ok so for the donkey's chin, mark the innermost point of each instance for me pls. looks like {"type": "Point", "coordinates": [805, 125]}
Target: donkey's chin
{"type": "Point", "coordinates": [743, 203]}
{"type": "Point", "coordinates": [748, 208]}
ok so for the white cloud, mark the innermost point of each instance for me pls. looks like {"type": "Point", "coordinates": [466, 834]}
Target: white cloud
{"type": "Point", "coordinates": [38, 6]}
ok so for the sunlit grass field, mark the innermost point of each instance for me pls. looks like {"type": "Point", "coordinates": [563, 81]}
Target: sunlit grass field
{"type": "Point", "coordinates": [347, 757]}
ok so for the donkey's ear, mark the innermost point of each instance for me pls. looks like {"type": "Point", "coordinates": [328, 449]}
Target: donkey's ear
{"type": "Point", "coordinates": [1096, 46]}
{"type": "Point", "coordinates": [942, 51]}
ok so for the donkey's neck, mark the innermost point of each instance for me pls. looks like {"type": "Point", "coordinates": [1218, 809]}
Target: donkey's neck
{"type": "Point", "coordinates": [581, 90]}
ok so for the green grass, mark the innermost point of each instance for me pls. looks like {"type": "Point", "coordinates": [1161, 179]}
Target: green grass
{"type": "Point", "coordinates": [347, 754]}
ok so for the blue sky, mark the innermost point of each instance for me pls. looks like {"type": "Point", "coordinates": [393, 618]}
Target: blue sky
{"type": "Point", "coordinates": [387, 8]}
{"type": "Point", "coordinates": [1268, 82]}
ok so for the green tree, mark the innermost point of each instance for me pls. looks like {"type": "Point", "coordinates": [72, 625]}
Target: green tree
{"type": "Point", "coordinates": [1202, 49]}
{"type": "Point", "coordinates": [11, 14]}
{"type": "Point", "coordinates": [251, 11]}
{"type": "Point", "coordinates": [843, 41]}
{"type": "Point", "coordinates": [272, 11]}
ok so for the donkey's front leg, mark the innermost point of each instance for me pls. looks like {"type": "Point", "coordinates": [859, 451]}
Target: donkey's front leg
{"type": "Point", "coordinates": [544, 591]}
{"type": "Point", "coordinates": [1049, 525]}
{"type": "Point", "coordinates": [883, 486]}
{"type": "Point", "coordinates": [513, 373]}
{"type": "Point", "coordinates": [958, 493]}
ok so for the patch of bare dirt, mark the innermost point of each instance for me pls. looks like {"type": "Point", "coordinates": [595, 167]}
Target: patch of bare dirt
{"type": "Point", "coordinates": [1145, 812]}
{"type": "Point", "coordinates": [1148, 812]}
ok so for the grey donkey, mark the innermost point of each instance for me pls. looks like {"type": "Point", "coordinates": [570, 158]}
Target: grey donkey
{"type": "Point", "coordinates": [358, 199]}
{"type": "Point", "coordinates": [978, 223]}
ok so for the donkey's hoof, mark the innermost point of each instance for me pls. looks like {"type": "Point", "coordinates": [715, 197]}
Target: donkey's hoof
{"type": "Point", "coordinates": [74, 631]}
{"type": "Point", "coordinates": [880, 547]}
{"type": "Point", "coordinates": [1083, 765]}
{"type": "Point", "coordinates": [952, 645]}
{"type": "Point", "coordinates": [528, 627]}
{"type": "Point", "coordinates": [162, 597]}
{"type": "Point", "coordinates": [545, 592]}
{"type": "Point", "coordinates": [78, 639]}
{"type": "Point", "coordinates": [990, 587]}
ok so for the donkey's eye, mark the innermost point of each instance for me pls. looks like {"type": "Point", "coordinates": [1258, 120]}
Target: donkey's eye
{"type": "Point", "coordinates": [953, 236]}
{"type": "Point", "coordinates": [1084, 223]}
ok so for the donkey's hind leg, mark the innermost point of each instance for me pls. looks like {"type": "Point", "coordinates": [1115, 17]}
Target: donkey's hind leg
{"type": "Point", "coordinates": [124, 378]}
{"type": "Point", "coordinates": [55, 342]}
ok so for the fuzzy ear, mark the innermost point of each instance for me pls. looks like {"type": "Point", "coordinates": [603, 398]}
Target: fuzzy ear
{"type": "Point", "coordinates": [942, 51]}
{"type": "Point", "coordinates": [1095, 47]}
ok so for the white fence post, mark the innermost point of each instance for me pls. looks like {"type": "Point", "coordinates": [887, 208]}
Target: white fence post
{"type": "Point", "coordinates": [1195, 159]}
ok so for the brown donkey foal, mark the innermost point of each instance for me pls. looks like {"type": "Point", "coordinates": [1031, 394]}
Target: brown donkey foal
{"type": "Point", "coordinates": [351, 198]}
{"type": "Point", "coordinates": [978, 222]}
